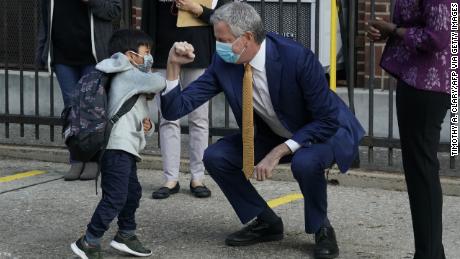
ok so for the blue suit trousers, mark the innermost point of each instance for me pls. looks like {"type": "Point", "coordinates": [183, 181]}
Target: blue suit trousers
{"type": "Point", "coordinates": [223, 160]}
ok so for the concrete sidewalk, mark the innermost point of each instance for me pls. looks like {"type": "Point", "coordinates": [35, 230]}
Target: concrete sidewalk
{"type": "Point", "coordinates": [42, 220]}
{"type": "Point", "coordinates": [362, 177]}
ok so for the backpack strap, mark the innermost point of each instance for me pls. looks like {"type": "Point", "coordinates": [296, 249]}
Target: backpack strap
{"type": "Point", "coordinates": [125, 108]}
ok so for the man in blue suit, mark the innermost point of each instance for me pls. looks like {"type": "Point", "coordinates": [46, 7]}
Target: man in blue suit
{"type": "Point", "coordinates": [296, 117]}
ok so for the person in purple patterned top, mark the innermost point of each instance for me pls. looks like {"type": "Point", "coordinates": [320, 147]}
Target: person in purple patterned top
{"type": "Point", "coordinates": [417, 54]}
{"type": "Point", "coordinates": [417, 51]}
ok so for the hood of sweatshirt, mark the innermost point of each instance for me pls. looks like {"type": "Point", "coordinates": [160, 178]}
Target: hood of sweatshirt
{"type": "Point", "coordinates": [128, 81]}
{"type": "Point", "coordinates": [117, 63]}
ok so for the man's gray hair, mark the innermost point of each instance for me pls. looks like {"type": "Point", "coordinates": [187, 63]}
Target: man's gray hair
{"type": "Point", "coordinates": [241, 18]}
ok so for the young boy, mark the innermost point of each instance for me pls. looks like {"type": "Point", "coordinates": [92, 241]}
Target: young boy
{"type": "Point", "coordinates": [131, 62]}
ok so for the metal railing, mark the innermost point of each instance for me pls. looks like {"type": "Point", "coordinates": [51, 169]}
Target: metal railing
{"type": "Point", "coordinates": [297, 19]}
{"type": "Point", "coordinates": [19, 35]}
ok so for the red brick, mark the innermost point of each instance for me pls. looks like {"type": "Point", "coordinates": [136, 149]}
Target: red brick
{"type": "Point", "coordinates": [381, 8]}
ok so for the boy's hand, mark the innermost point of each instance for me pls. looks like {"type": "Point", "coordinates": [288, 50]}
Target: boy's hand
{"type": "Point", "coordinates": [147, 123]}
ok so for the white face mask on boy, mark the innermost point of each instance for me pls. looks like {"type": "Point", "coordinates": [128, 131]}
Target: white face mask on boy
{"type": "Point", "coordinates": [148, 62]}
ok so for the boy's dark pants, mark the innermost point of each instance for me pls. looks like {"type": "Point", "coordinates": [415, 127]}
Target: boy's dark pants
{"type": "Point", "coordinates": [121, 193]}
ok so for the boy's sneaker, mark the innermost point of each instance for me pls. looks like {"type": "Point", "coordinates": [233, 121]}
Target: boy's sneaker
{"type": "Point", "coordinates": [130, 245]}
{"type": "Point", "coordinates": [85, 251]}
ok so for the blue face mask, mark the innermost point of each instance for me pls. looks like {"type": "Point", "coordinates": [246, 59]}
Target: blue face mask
{"type": "Point", "coordinates": [224, 50]}
{"type": "Point", "coordinates": [148, 63]}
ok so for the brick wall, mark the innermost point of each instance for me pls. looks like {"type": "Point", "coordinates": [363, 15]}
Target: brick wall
{"type": "Point", "coordinates": [382, 8]}
{"type": "Point", "coordinates": [137, 14]}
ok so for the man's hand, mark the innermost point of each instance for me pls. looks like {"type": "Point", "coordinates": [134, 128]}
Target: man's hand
{"type": "Point", "coordinates": [147, 124]}
{"type": "Point", "coordinates": [264, 168]}
{"type": "Point", "coordinates": [181, 53]}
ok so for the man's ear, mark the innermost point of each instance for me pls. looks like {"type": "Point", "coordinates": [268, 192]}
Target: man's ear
{"type": "Point", "coordinates": [249, 36]}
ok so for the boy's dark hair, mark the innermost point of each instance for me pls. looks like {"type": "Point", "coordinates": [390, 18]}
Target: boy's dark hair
{"type": "Point", "coordinates": [128, 39]}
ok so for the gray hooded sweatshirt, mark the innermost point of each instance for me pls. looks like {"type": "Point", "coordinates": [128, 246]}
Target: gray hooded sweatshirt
{"type": "Point", "coordinates": [128, 133]}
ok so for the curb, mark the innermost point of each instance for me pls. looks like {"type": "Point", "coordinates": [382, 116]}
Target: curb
{"type": "Point", "coordinates": [354, 178]}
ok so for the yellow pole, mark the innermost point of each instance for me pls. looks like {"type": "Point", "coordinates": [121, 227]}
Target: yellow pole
{"type": "Point", "coordinates": [333, 49]}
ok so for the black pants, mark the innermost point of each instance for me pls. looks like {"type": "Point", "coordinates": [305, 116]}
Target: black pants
{"type": "Point", "coordinates": [420, 115]}
{"type": "Point", "coordinates": [121, 192]}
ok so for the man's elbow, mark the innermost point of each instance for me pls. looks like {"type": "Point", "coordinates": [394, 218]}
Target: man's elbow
{"type": "Point", "coordinates": [169, 116]}
{"type": "Point", "coordinates": [334, 125]}
{"type": "Point", "coordinates": [168, 113]}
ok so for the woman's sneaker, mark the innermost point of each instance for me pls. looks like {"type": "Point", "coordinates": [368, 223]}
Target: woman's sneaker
{"type": "Point", "coordinates": [85, 251]}
{"type": "Point", "coordinates": [130, 245]}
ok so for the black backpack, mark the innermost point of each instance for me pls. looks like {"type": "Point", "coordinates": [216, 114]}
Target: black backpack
{"type": "Point", "coordinates": [87, 127]}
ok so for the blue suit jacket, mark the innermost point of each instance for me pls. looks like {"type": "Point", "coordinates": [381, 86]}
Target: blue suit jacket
{"type": "Point", "coordinates": [299, 92]}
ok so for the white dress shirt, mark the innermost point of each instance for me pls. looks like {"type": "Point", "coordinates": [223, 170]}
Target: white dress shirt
{"type": "Point", "coordinates": [261, 96]}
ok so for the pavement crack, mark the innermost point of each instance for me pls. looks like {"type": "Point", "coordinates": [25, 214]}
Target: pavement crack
{"type": "Point", "coordinates": [31, 185]}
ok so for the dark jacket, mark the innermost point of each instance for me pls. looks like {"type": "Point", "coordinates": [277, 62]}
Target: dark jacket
{"type": "Point", "coordinates": [103, 14]}
{"type": "Point", "coordinates": [160, 24]}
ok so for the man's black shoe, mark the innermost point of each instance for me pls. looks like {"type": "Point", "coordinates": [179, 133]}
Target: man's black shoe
{"type": "Point", "coordinates": [256, 232]}
{"type": "Point", "coordinates": [326, 244]}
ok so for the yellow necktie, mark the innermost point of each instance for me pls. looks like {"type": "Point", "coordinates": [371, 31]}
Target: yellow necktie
{"type": "Point", "coordinates": [248, 123]}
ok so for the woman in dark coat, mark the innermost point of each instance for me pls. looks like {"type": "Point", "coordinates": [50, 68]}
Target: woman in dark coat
{"type": "Point", "coordinates": [73, 37]}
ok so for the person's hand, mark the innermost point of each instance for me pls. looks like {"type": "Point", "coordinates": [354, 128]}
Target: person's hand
{"type": "Point", "coordinates": [379, 29]}
{"type": "Point", "coordinates": [181, 53]}
{"type": "Point", "coordinates": [264, 169]}
{"type": "Point", "coordinates": [189, 6]}
{"type": "Point", "coordinates": [147, 124]}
